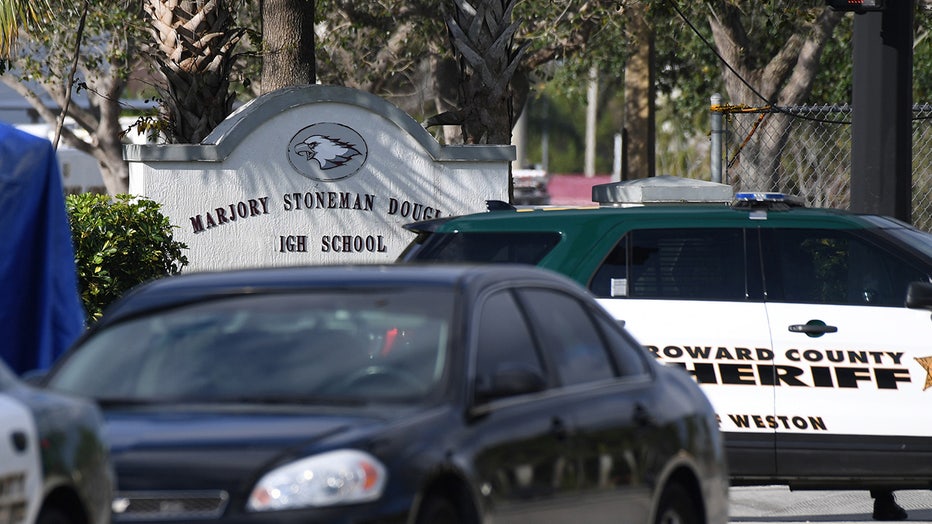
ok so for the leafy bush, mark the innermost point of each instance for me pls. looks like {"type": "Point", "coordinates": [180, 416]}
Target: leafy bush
{"type": "Point", "coordinates": [118, 244]}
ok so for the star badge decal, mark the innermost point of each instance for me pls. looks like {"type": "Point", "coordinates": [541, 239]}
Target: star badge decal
{"type": "Point", "coordinates": [926, 363]}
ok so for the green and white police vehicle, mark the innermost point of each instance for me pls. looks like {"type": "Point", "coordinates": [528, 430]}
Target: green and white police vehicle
{"type": "Point", "coordinates": [808, 329]}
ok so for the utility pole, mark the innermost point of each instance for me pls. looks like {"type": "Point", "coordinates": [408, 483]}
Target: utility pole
{"type": "Point", "coordinates": [592, 108]}
{"type": "Point", "coordinates": [881, 131]}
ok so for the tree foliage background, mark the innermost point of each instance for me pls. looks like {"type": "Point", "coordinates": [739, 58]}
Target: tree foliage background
{"type": "Point", "coordinates": [39, 67]}
{"type": "Point", "coordinates": [119, 243]}
{"type": "Point", "coordinates": [689, 71]}
{"type": "Point", "coordinates": [401, 50]}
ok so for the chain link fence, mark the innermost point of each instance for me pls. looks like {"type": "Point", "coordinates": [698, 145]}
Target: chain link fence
{"type": "Point", "coordinates": [806, 151]}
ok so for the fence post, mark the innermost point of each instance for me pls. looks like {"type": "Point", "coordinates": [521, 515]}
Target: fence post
{"type": "Point", "coordinates": [717, 131]}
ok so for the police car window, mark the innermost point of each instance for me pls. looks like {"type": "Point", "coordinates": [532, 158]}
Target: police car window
{"type": "Point", "coordinates": [512, 247]}
{"type": "Point", "coordinates": [914, 238]}
{"type": "Point", "coordinates": [835, 267]}
{"type": "Point", "coordinates": [568, 336]}
{"type": "Point", "coordinates": [699, 264]}
{"type": "Point", "coordinates": [504, 340]}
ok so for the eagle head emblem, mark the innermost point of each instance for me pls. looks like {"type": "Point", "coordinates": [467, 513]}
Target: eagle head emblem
{"type": "Point", "coordinates": [327, 151]}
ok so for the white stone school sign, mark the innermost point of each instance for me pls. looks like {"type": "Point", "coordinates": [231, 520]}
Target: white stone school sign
{"type": "Point", "coordinates": [312, 175]}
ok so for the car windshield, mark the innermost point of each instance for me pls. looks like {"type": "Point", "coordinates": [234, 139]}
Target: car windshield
{"type": "Point", "coordinates": [323, 347]}
{"type": "Point", "coordinates": [512, 247]}
{"type": "Point", "coordinates": [903, 232]}
{"type": "Point", "coordinates": [916, 238]}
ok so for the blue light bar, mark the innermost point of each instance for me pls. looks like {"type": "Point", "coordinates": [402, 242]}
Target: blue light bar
{"type": "Point", "coordinates": [765, 199]}
{"type": "Point", "coordinates": [761, 197]}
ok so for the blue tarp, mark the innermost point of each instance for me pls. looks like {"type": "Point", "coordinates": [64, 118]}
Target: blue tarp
{"type": "Point", "coordinates": [40, 308]}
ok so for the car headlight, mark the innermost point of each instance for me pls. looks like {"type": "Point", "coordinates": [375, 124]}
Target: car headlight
{"type": "Point", "coordinates": [337, 477]}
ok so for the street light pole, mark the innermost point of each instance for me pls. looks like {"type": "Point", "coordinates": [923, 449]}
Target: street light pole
{"type": "Point", "coordinates": [881, 135]}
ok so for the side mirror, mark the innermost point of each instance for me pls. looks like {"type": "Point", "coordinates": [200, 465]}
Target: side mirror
{"type": "Point", "coordinates": [509, 380]}
{"type": "Point", "coordinates": [919, 295]}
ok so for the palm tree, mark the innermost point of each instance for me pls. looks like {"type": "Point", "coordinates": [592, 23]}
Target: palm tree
{"type": "Point", "coordinates": [195, 40]}
{"type": "Point", "coordinates": [17, 13]}
{"type": "Point", "coordinates": [482, 34]}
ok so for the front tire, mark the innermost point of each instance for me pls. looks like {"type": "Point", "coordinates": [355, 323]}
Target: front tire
{"type": "Point", "coordinates": [677, 506]}
{"type": "Point", "coordinates": [437, 510]}
{"type": "Point", "coordinates": [48, 515]}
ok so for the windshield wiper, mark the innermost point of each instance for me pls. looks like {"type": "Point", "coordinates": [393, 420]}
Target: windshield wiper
{"type": "Point", "coordinates": [283, 400]}
{"type": "Point", "coordinates": [276, 400]}
{"type": "Point", "coordinates": [115, 402]}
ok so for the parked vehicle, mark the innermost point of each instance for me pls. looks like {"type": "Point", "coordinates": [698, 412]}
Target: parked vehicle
{"type": "Point", "coordinates": [54, 464]}
{"type": "Point", "coordinates": [531, 186]}
{"type": "Point", "coordinates": [391, 394]}
{"type": "Point", "coordinates": [807, 328]}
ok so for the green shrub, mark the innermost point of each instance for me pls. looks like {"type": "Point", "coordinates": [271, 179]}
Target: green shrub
{"type": "Point", "coordinates": [119, 243]}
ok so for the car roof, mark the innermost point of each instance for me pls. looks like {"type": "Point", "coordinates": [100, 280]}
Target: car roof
{"type": "Point", "coordinates": [666, 215]}
{"type": "Point", "coordinates": [191, 287]}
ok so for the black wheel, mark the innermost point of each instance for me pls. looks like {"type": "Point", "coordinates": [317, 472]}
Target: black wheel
{"type": "Point", "coordinates": [438, 510]}
{"type": "Point", "coordinates": [48, 515]}
{"type": "Point", "coordinates": [677, 506]}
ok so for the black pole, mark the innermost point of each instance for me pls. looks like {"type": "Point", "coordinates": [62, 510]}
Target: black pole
{"type": "Point", "coordinates": [881, 135]}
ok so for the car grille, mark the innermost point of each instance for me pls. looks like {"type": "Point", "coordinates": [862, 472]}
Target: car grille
{"type": "Point", "coordinates": [13, 498]}
{"type": "Point", "coordinates": [170, 505]}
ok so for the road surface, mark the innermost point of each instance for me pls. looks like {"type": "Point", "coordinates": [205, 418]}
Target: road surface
{"type": "Point", "coordinates": [777, 504]}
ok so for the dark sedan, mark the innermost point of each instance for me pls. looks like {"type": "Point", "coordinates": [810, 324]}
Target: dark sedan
{"type": "Point", "coordinates": [391, 394]}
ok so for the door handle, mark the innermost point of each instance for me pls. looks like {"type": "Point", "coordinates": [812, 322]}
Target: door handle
{"type": "Point", "coordinates": [813, 328]}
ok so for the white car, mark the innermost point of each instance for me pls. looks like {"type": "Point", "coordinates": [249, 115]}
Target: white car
{"type": "Point", "coordinates": [20, 471]}
{"type": "Point", "coordinates": [54, 464]}
{"type": "Point", "coordinates": [531, 186]}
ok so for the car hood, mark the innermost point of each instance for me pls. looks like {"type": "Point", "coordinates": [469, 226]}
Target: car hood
{"type": "Point", "coordinates": [224, 448]}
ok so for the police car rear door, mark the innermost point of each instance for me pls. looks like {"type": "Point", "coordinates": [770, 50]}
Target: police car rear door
{"type": "Point", "coordinates": [693, 297]}
{"type": "Point", "coordinates": [852, 364]}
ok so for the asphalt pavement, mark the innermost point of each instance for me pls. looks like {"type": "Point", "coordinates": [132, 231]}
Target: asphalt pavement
{"type": "Point", "coordinates": [777, 504]}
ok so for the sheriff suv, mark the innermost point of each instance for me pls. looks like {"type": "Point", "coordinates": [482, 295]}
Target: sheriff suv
{"type": "Point", "coordinates": [808, 329]}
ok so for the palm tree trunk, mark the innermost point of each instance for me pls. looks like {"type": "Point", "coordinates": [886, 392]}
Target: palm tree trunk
{"type": "Point", "coordinates": [195, 40]}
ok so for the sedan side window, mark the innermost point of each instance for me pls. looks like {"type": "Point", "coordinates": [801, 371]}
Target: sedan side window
{"type": "Point", "coordinates": [629, 353]}
{"type": "Point", "coordinates": [568, 336]}
{"type": "Point", "coordinates": [505, 345]}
